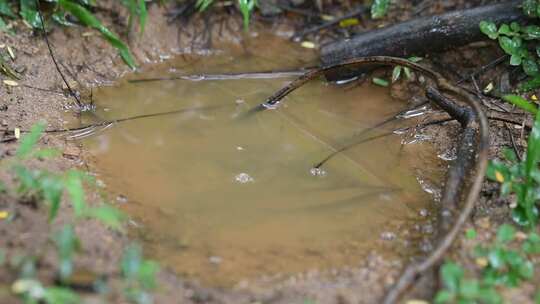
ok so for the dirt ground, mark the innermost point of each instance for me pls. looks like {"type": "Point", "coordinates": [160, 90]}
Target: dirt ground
{"type": "Point", "coordinates": [89, 61]}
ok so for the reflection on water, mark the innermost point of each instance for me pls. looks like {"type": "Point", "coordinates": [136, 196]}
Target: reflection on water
{"type": "Point", "coordinates": [223, 197]}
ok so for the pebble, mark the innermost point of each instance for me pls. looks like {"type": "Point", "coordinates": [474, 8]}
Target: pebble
{"type": "Point", "coordinates": [388, 236]}
{"type": "Point", "coordinates": [215, 260]}
{"type": "Point", "coordinates": [71, 152]}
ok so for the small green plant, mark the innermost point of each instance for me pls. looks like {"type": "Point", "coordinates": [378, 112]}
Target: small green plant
{"type": "Point", "coordinates": [67, 245]}
{"type": "Point", "coordinates": [42, 186]}
{"type": "Point", "coordinates": [396, 72]}
{"type": "Point", "coordinates": [246, 8]}
{"type": "Point", "coordinates": [379, 8]}
{"type": "Point", "coordinates": [521, 177]}
{"type": "Point", "coordinates": [505, 266]}
{"type": "Point", "coordinates": [29, 11]}
{"type": "Point", "coordinates": [459, 289]}
{"type": "Point", "coordinates": [139, 275]}
{"type": "Point", "coordinates": [516, 40]}
{"type": "Point", "coordinates": [500, 266]}
{"type": "Point", "coordinates": [32, 291]}
{"type": "Point", "coordinates": [50, 187]}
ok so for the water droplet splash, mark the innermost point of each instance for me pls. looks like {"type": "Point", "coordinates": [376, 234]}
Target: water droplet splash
{"type": "Point", "coordinates": [317, 172]}
{"type": "Point", "coordinates": [243, 178]}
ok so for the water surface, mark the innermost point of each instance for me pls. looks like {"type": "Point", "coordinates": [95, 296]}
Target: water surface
{"type": "Point", "coordinates": [223, 197]}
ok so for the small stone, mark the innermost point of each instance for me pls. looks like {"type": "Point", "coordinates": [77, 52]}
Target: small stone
{"type": "Point", "coordinates": [122, 199]}
{"type": "Point", "coordinates": [423, 212]}
{"type": "Point", "coordinates": [3, 108]}
{"type": "Point", "coordinates": [4, 123]}
{"type": "Point", "coordinates": [71, 152]}
{"type": "Point", "coordinates": [388, 236]}
{"type": "Point", "coordinates": [215, 260]}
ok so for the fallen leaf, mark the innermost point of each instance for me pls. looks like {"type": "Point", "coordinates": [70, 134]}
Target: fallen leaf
{"type": "Point", "coordinates": [349, 22]}
{"type": "Point", "coordinates": [308, 44]}
{"type": "Point", "coordinates": [11, 53]}
{"type": "Point", "coordinates": [499, 177]}
{"type": "Point", "coordinates": [3, 215]}
{"type": "Point", "coordinates": [10, 83]}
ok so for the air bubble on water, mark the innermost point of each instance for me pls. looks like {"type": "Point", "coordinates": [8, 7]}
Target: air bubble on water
{"type": "Point", "coordinates": [317, 171]}
{"type": "Point", "coordinates": [243, 178]}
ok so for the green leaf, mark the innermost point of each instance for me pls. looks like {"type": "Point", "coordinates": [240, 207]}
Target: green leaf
{"type": "Point", "coordinates": [489, 29]}
{"type": "Point", "coordinates": [202, 5]}
{"type": "Point", "coordinates": [379, 8]}
{"type": "Point", "coordinates": [131, 261]}
{"type": "Point", "coordinates": [529, 85]}
{"type": "Point", "coordinates": [470, 234]}
{"type": "Point", "coordinates": [396, 73]}
{"type": "Point", "coordinates": [52, 188]}
{"type": "Point", "coordinates": [530, 67]}
{"type": "Point", "coordinates": [86, 18]}
{"type": "Point", "coordinates": [5, 9]}
{"type": "Point", "coordinates": [67, 244]}
{"type": "Point", "coordinates": [3, 25]}
{"type": "Point", "coordinates": [505, 30]}
{"type": "Point", "coordinates": [469, 289]}
{"type": "Point", "coordinates": [143, 14]}
{"type": "Point", "coordinates": [515, 60]}
{"type": "Point", "coordinates": [380, 82]}
{"type": "Point", "coordinates": [108, 215]}
{"type": "Point", "coordinates": [74, 187]}
{"type": "Point", "coordinates": [246, 6]}
{"type": "Point", "coordinates": [511, 46]}
{"type": "Point", "coordinates": [532, 244]}
{"type": "Point", "coordinates": [532, 32]}
{"type": "Point", "coordinates": [451, 275]}
{"type": "Point", "coordinates": [443, 297]}
{"type": "Point", "coordinates": [147, 274]}
{"type": "Point", "coordinates": [56, 295]}
{"type": "Point", "coordinates": [515, 27]}
{"type": "Point", "coordinates": [29, 141]}
{"type": "Point", "coordinates": [505, 233]}
{"type": "Point", "coordinates": [530, 7]}
{"type": "Point", "coordinates": [522, 103]}
{"type": "Point", "coordinates": [29, 13]}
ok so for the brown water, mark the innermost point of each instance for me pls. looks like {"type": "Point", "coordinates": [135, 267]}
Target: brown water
{"type": "Point", "coordinates": [222, 197]}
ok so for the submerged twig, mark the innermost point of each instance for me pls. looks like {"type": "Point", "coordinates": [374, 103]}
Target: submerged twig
{"type": "Point", "coordinates": [226, 76]}
{"type": "Point", "coordinates": [106, 123]}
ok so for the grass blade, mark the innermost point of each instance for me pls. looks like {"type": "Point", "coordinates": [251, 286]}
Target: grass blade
{"type": "Point", "coordinates": [521, 102]}
{"type": "Point", "coordinates": [86, 18]}
{"type": "Point", "coordinates": [29, 141]}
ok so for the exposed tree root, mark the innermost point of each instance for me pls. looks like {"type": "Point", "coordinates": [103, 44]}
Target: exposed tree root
{"type": "Point", "coordinates": [419, 36]}
{"type": "Point", "coordinates": [474, 142]}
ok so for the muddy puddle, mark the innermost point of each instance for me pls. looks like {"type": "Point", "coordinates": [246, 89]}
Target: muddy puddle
{"type": "Point", "coordinates": [223, 197]}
